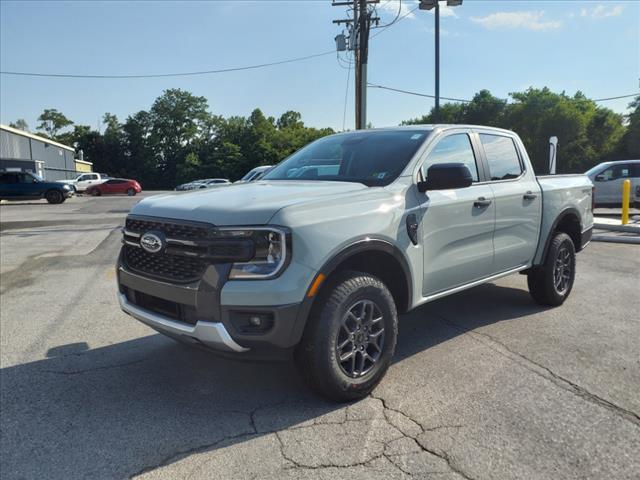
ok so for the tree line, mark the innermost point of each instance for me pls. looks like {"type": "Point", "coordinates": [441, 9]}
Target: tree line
{"type": "Point", "coordinates": [178, 139]}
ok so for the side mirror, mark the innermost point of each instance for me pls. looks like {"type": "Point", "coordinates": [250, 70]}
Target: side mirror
{"type": "Point", "coordinates": [445, 176]}
{"type": "Point", "coordinates": [600, 178]}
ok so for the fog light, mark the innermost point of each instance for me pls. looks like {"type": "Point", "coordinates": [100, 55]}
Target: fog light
{"type": "Point", "coordinates": [252, 323]}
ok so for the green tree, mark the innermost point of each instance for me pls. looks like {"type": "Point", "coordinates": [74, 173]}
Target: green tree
{"type": "Point", "coordinates": [20, 124]}
{"type": "Point", "coordinates": [629, 145]}
{"type": "Point", "coordinates": [177, 118]}
{"type": "Point", "coordinates": [52, 121]}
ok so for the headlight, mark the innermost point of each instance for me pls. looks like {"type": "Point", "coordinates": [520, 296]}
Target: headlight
{"type": "Point", "coordinates": [272, 252]}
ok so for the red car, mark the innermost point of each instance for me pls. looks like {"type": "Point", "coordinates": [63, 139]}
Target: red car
{"type": "Point", "coordinates": [114, 186]}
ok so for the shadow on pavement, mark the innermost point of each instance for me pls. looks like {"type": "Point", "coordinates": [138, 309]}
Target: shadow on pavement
{"type": "Point", "coordinates": [117, 410]}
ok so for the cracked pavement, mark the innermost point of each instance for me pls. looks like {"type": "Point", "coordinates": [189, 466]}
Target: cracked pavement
{"type": "Point", "coordinates": [485, 384]}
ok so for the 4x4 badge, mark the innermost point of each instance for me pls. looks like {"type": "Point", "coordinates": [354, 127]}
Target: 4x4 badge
{"type": "Point", "coordinates": [152, 242]}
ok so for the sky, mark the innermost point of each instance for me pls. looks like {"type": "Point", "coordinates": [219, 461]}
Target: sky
{"type": "Point", "coordinates": [503, 46]}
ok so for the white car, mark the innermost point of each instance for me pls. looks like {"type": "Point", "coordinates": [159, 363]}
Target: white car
{"type": "Point", "coordinates": [210, 182]}
{"type": "Point", "coordinates": [255, 173]}
{"type": "Point", "coordinates": [86, 180]}
{"type": "Point", "coordinates": [608, 178]}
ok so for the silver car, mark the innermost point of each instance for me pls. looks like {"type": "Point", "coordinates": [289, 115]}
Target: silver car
{"type": "Point", "coordinates": [608, 178]}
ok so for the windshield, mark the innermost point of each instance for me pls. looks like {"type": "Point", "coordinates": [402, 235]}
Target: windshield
{"type": "Point", "coordinates": [374, 158]}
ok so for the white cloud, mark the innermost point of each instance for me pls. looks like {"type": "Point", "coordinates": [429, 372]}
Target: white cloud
{"type": "Point", "coordinates": [530, 20]}
{"type": "Point", "coordinates": [391, 7]}
{"type": "Point", "coordinates": [602, 11]}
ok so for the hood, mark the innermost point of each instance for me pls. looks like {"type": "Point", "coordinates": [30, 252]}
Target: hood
{"type": "Point", "coordinates": [65, 181]}
{"type": "Point", "coordinates": [252, 203]}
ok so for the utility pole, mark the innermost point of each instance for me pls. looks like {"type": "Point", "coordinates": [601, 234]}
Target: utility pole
{"type": "Point", "coordinates": [359, 27]}
{"type": "Point", "coordinates": [436, 110]}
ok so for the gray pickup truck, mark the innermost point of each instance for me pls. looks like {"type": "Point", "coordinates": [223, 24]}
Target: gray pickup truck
{"type": "Point", "coordinates": [320, 255]}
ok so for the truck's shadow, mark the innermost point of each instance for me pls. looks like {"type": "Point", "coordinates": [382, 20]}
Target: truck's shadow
{"type": "Point", "coordinates": [120, 409]}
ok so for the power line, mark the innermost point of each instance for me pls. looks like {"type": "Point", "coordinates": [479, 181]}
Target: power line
{"type": "Point", "coordinates": [382, 28]}
{"type": "Point", "coordinates": [418, 94]}
{"type": "Point", "coordinates": [162, 75]}
{"type": "Point", "coordinates": [382, 87]}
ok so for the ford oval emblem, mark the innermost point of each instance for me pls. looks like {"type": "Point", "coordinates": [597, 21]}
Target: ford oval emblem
{"type": "Point", "coordinates": [152, 242]}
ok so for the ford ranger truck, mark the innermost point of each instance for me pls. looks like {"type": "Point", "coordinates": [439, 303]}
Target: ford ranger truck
{"type": "Point", "coordinates": [321, 255]}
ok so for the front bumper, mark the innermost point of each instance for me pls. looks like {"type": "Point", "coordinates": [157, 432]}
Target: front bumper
{"type": "Point", "coordinates": [193, 312]}
{"type": "Point", "coordinates": [210, 334]}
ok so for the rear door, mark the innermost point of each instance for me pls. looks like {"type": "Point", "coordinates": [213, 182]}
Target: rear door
{"type": "Point", "coordinates": [517, 197]}
{"type": "Point", "coordinates": [9, 187]}
{"type": "Point", "coordinates": [457, 224]}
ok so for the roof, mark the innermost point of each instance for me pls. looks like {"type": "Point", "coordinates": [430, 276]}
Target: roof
{"type": "Point", "coordinates": [35, 137]}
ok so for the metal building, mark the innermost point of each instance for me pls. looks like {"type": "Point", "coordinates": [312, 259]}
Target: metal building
{"type": "Point", "coordinates": [23, 151]}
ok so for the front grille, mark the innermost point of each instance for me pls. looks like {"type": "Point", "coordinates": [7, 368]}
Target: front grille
{"type": "Point", "coordinates": [176, 311]}
{"type": "Point", "coordinates": [170, 229]}
{"type": "Point", "coordinates": [189, 248]}
{"type": "Point", "coordinates": [172, 267]}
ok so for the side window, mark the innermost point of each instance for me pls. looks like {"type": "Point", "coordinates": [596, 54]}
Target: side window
{"type": "Point", "coordinates": [7, 178]}
{"type": "Point", "coordinates": [453, 149]}
{"type": "Point", "coordinates": [615, 172]}
{"type": "Point", "coordinates": [502, 157]}
{"type": "Point", "coordinates": [84, 178]}
{"type": "Point", "coordinates": [24, 178]}
{"type": "Point", "coordinates": [93, 177]}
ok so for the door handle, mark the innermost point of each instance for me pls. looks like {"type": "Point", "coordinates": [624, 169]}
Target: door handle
{"type": "Point", "coordinates": [530, 196]}
{"type": "Point", "coordinates": [481, 202]}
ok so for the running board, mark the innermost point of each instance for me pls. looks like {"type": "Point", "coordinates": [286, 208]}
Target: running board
{"type": "Point", "coordinates": [466, 286]}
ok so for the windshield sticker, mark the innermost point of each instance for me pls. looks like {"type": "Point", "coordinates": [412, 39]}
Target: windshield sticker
{"type": "Point", "coordinates": [416, 136]}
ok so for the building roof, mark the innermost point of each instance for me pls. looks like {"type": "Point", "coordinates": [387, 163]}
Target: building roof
{"type": "Point", "coordinates": [35, 137]}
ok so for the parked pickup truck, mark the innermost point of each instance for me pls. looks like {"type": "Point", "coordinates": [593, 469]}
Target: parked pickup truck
{"type": "Point", "coordinates": [27, 186]}
{"type": "Point", "coordinates": [381, 221]}
{"type": "Point", "coordinates": [86, 180]}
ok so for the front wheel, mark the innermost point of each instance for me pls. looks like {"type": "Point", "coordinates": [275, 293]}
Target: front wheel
{"type": "Point", "coordinates": [131, 192]}
{"type": "Point", "coordinates": [350, 338]}
{"type": "Point", "coordinates": [95, 192]}
{"type": "Point", "coordinates": [551, 283]}
{"type": "Point", "coordinates": [54, 197]}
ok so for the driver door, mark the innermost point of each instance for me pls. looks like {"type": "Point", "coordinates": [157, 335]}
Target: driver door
{"type": "Point", "coordinates": [457, 224]}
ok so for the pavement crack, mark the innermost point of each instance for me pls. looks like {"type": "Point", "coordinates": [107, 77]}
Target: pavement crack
{"type": "Point", "coordinates": [546, 372]}
{"type": "Point", "coordinates": [442, 455]}
{"type": "Point", "coordinates": [94, 369]}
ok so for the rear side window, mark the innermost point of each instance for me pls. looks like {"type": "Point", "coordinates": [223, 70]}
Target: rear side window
{"type": "Point", "coordinates": [453, 149]}
{"type": "Point", "coordinates": [502, 157]}
{"type": "Point", "coordinates": [7, 178]}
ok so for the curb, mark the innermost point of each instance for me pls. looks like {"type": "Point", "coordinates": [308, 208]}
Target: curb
{"type": "Point", "coordinates": [618, 228]}
{"type": "Point", "coordinates": [616, 239]}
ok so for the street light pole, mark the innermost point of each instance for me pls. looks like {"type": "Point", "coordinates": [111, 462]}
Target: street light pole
{"type": "Point", "coordinates": [429, 5]}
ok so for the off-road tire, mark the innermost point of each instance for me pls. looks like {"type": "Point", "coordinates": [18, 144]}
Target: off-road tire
{"type": "Point", "coordinates": [542, 280]}
{"type": "Point", "coordinates": [54, 197]}
{"type": "Point", "coordinates": [317, 357]}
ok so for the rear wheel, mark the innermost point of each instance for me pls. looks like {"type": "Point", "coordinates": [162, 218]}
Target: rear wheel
{"type": "Point", "coordinates": [551, 283]}
{"type": "Point", "coordinates": [54, 197]}
{"type": "Point", "coordinates": [95, 192]}
{"type": "Point", "coordinates": [131, 192]}
{"type": "Point", "coordinates": [350, 337]}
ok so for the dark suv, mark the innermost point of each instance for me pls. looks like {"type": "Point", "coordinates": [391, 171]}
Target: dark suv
{"type": "Point", "coordinates": [27, 186]}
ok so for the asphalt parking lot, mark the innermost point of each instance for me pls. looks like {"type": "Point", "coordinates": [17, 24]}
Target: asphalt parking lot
{"type": "Point", "coordinates": [486, 384]}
